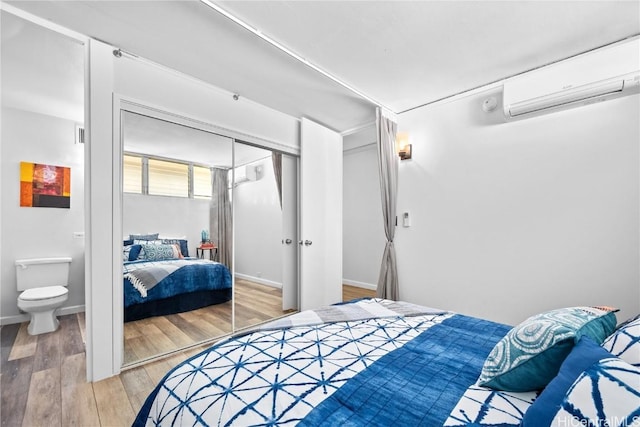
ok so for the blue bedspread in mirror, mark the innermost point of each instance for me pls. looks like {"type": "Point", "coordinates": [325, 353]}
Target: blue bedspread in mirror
{"type": "Point", "coordinates": [173, 286]}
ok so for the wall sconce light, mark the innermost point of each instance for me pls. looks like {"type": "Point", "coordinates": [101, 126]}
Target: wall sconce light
{"type": "Point", "coordinates": [403, 148]}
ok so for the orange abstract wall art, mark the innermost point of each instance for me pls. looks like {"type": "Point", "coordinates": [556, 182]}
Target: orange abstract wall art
{"type": "Point", "coordinates": [45, 186]}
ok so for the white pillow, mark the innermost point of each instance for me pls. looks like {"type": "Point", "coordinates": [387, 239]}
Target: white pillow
{"type": "Point", "coordinates": [624, 342]}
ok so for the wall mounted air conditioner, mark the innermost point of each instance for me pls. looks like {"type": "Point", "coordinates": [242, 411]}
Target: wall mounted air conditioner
{"type": "Point", "coordinates": [595, 76]}
{"type": "Point", "coordinates": [248, 173]}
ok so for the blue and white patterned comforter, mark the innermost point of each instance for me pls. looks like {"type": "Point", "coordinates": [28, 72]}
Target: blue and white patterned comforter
{"type": "Point", "coordinates": [398, 365]}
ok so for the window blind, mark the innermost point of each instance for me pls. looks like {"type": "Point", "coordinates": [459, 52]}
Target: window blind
{"type": "Point", "coordinates": [201, 182]}
{"type": "Point", "coordinates": [132, 174]}
{"type": "Point", "coordinates": [168, 178]}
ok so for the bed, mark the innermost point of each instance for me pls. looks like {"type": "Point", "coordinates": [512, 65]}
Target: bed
{"type": "Point", "coordinates": [377, 362]}
{"type": "Point", "coordinates": [160, 280]}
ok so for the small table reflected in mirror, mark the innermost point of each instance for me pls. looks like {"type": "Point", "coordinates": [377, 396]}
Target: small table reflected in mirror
{"type": "Point", "coordinates": [207, 246]}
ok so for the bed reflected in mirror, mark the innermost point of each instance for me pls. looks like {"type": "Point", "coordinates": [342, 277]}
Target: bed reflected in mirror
{"type": "Point", "coordinates": [176, 274]}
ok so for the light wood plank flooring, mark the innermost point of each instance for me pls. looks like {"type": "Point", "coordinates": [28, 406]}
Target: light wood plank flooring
{"type": "Point", "coordinates": [43, 383]}
{"type": "Point", "coordinates": [146, 338]}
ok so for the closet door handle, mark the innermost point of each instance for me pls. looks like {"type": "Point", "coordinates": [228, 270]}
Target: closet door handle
{"type": "Point", "coordinates": [308, 242]}
{"type": "Point", "coordinates": [288, 241]}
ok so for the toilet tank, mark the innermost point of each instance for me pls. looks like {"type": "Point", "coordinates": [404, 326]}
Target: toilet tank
{"type": "Point", "coordinates": [40, 272]}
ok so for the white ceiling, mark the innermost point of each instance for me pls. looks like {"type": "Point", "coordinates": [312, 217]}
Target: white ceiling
{"type": "Point", "coordinates": [401, 54]}
{"type": "Point", "coordinates": [408, 53]}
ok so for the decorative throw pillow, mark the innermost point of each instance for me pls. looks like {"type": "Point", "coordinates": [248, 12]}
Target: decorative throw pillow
{"type": "Point", "coordinates": [184, 247]}
{"type": "Point", "coordinates": [153, 236]}
{"type": "Point", "coordinates": [529, 356]}
{"type": "Point", "coordinates": [160, 252]}
{"type": "Point", "coordinates": [593, 388]}
{"type": "Point", "coordinates": [134, 252]}
{"type": "Point", "coordinates": [176, 250]}
{"type": "Point", "coordinates": [147, 242]}
{"type": "Point", "coordinates": [625, 342]}
{"type": "Point", "coordinates": [125, 253]}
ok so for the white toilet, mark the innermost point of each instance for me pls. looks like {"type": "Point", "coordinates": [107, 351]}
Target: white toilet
{"type": "Point", "coordinates": [43, 286]}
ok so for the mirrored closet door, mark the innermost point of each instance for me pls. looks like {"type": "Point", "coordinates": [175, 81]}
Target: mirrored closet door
{"type": "Point", "coordinates": [209, 235]}
{"type": "Point", "coordinates": [265, 212]}
{"type": "Point", "coordinates": [177, 274]}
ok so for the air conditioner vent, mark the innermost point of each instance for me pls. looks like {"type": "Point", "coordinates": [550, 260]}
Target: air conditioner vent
{"type": "Point", "coordinates": [602, 74]}
{"type": "Point", "coordinates": [566, 97]}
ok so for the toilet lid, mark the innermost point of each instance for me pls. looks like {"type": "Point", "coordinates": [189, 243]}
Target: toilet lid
{"type": "Point", "coordinates": [43, 293]}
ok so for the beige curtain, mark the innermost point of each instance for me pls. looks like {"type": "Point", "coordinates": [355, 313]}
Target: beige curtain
{"type": "Point", "coordinates": [220, 215]}
{"type": "Point", "coordinates": [388, 167]}
{"type": "Point", "coordinates": [276, 159]}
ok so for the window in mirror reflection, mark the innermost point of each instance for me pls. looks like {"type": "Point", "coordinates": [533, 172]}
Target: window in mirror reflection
{"type": "Point", "coordinates": [168, 178]}
{"type": "Point", "coordinates": [132, 174]}
{"type": "Point", "coordinates": [201, 182]}
{"type": "Point", "coordinates": [165, 177]}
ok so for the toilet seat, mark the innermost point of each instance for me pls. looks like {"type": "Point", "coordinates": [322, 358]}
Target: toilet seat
{"type": "Point", "coordinates": [45, 293]}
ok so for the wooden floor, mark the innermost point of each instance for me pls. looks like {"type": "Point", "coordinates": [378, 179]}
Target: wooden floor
{"type": "Point", "coordinates": [43, 383]}
{"type": "Point", "coordinates": [255, 303]}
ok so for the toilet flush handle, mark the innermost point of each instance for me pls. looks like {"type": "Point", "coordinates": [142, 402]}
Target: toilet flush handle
{"type": "Point", "coordinates": [23, 266]}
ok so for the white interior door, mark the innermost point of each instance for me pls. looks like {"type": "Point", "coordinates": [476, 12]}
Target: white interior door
{"type": "Point", "coordinates": [320, 216]}
{"type": "Point", "coordinates": [289, 233]}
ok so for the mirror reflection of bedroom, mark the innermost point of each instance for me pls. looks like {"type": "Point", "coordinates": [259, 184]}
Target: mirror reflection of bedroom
{"type": "Point", "coordinates": [264, 216]}
{"type": "Point", "coordinates": [178, 239]}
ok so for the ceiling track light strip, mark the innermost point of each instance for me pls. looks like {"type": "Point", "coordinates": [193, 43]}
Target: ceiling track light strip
{"type": "Point", "coordinates": [289, 52]}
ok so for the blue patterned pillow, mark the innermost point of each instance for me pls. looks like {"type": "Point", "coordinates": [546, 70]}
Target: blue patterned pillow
{"type": "Point", "coordinates": [593, 388]}
{"type": "Point", "coordinates": [147, 242]}
{"type": "Point", "coordinates": [625, 342]}
{"type": "Point", "coordinates": [159, 252]}
{"type": "Point", "coordinates": [529, 356]}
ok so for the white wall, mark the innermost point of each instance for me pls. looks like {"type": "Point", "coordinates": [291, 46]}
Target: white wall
{"type": "Point", "coordinates": [39, 232]}
{"type": "Point", "coordinates": [363, 230]}
{"type": "Point", "coordinates": [169, 216]}
{"type": "Point", "coordinates": [510, 219]}
{"type": "Point", "coordinates": [258, 228]}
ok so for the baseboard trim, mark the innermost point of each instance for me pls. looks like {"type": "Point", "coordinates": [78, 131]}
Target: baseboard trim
{"type": "Point", "coordinates": [259, 280]}
{"type": "Point", "coordinates": [71, 310]}
{"type": "Point", "coordinates": [20, 318]}
{"type": "Point", "coordinates": [359, 284]}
